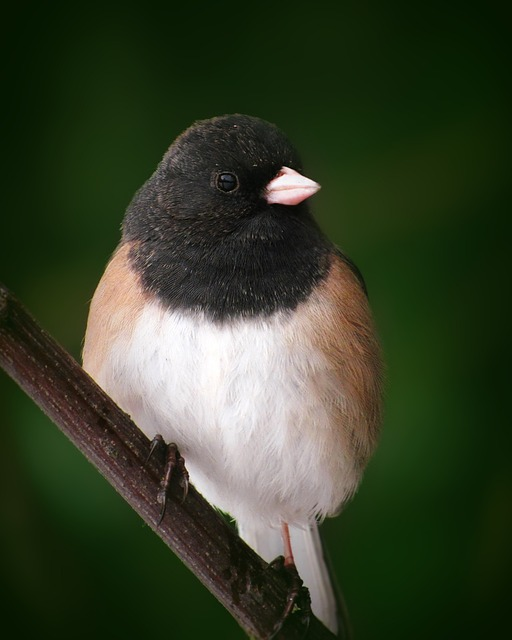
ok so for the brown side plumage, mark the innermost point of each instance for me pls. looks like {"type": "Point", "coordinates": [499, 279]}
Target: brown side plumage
{"type": "Point", "coordinates": [337, 319]}
{"type": "Point", "coordinates": [115, 308]}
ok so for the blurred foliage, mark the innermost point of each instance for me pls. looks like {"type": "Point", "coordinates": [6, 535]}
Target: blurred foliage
{"type": "Point", "coordinates": [401, 111]}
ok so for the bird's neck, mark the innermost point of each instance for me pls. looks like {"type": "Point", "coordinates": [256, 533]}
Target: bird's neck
{"type": "Point", "coordinates": [254, 273]}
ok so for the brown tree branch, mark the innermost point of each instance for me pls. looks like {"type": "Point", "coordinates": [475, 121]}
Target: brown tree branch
{"type": "Point", "coordinates": [252, 592]}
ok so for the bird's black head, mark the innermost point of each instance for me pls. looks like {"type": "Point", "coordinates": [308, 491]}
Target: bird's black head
{"type": "Point", "coordinates": [212, 178]}
{"type": "Point", "coordinates": [224, 219]}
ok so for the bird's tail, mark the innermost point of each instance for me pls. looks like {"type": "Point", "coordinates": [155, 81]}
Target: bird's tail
{"type": "Point", "coordinates": [311, 563]}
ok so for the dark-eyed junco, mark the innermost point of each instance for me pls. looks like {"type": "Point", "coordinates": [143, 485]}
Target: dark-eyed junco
{"type": "Point", "coordinates": [228, 323]}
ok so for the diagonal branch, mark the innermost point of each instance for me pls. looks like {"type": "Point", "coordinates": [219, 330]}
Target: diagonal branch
{"type": "Point", "coordinates": [254, 594]}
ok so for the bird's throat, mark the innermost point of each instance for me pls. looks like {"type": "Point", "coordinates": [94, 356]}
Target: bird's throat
{"type": "Point", "coordinates": [237, 277]}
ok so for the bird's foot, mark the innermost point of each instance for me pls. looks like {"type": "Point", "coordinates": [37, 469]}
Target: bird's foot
{"type": "Point", "coordinates": [174, 465]}
{"type": "Point", "coordinates": [298, 599]}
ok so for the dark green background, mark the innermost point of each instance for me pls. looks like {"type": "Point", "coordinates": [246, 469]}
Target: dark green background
{"type": "Point", "coordinates": [400, 111]}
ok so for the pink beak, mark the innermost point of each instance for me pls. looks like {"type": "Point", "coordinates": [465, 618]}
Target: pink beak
{"type": "Point", "coordinates": [290, 187]}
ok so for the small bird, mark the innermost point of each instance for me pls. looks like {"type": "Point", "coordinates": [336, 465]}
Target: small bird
{"type": "Point", "coordinates": [226, 322]}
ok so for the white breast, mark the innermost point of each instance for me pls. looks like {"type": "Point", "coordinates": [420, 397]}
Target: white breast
{"type": "Point", "coordinates": [249, 404]}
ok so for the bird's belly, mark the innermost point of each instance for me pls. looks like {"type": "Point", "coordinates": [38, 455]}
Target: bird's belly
{"type": "Point", "coordinates": [249, 404]}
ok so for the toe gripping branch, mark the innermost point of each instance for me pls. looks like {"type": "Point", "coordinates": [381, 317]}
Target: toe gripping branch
{"type": "Point", "coordinates": [174, 466]}
{"type": "Point", "coordinates": [298, 599]}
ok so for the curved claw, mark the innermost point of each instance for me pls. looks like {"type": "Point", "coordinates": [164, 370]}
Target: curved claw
{"type": "Point", "coordinates": [161, 498]}
{"type": "Point", "coordinates": [157, 441]}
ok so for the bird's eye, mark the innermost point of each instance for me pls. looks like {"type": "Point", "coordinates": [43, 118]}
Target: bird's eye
{"type": "Point", "coordinates": [227, 181]}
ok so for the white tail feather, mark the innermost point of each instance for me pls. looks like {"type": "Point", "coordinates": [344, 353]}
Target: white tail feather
{"type": "Point", "coordinates": [309, 560]}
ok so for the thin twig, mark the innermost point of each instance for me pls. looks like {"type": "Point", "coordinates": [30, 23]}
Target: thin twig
{"type": "Point", "coordinates": [254, 594]}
